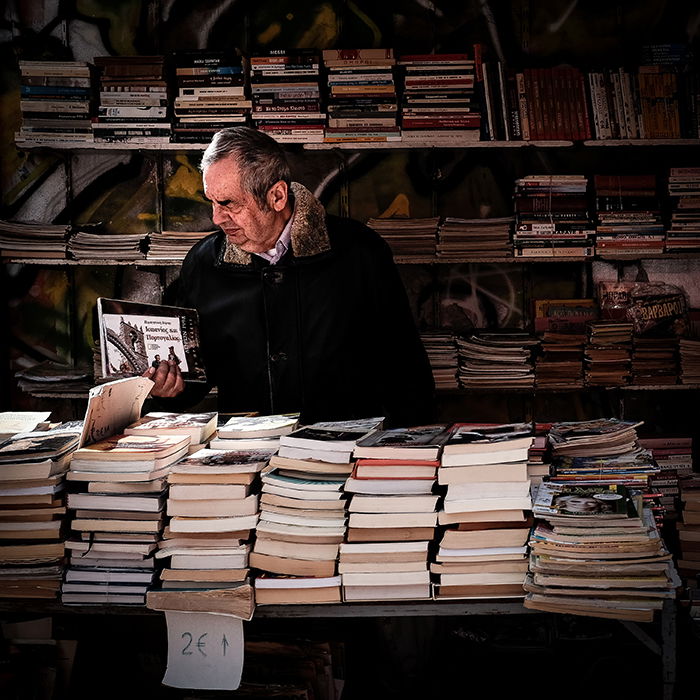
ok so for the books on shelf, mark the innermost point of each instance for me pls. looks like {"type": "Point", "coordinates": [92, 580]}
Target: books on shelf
{"type": "Point", "coordinates": [441, 348]}
{"type": "Point", "coordinates": [33, 240]}
{"type": "Point", "coordinates": [172, 245]}
{"type": "Point", "coordinates": [474, 238]}
{"type": "Point", "coordinates": [410, 238]}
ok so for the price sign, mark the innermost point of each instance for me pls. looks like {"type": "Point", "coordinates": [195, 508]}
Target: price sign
{"type": "Point", "coordinates": [205, 650]}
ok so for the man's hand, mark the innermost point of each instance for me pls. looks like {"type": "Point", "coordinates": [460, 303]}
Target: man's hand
{"type": "Point", "coordinates": [168, 379]}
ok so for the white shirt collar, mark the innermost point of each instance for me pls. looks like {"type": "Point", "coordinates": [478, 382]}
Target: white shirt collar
{"type": "Point", "coordinates": [274, 255]}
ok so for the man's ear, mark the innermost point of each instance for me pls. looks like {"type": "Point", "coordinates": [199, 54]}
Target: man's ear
{"type": "Point", "coordinates": [278, 196]}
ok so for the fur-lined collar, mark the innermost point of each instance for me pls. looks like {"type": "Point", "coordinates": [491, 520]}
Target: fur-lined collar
{"type": "Point", "coordinates": [309, 235]}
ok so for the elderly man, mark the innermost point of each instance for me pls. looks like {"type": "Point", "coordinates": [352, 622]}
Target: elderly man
{"type": "Point", "coordinates": [299, 310]}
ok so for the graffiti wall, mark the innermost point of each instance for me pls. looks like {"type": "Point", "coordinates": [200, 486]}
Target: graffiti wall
{"type": "Point", "coordinates": [138, 192]}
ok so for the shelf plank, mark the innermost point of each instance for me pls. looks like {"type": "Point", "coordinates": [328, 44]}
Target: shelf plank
{"type": "Point", "coordinates": [641, 142]}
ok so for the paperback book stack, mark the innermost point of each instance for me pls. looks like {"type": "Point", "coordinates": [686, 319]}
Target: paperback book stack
{"type": "Point", "coordinates": [199, 427]}
{"type": "Point", "coordinates": [597, 552]}
{"type": "Point", "coordinates": [689, 535]}
{"type": "Point", "coordinates": [497, 360]}
{"type": "Point", "coordinates": [689, 350]}
{"type": "Point", "coordinates": [392, 501]}
{"type": "Point", "coordinates": [482, 553]}
{"type": "Point", "coordinates": [303, 513]}
{"type": "Point", "coordinates": [33, 240]}
{"type": "Point", "coordinates": [172, 245]}
{"type": "Point", "coordinates": [210, 94]}
{"type": "Point", "coordinates": [49, 378]}
{"type": "Point", "coordinates": [438, 105]}
{"type": "Point", "coordinates": [603, 450]}
{"type": "Point", "coordinates": [474, 239]}
{"type": "Point", "coordinates": [408, 238]}
{"type": "Point", "coordinates": [628, 217]}
{"type": "Point", "coordinates": [654, 360]}
{"type": "Point", "coordinates": [608, 353]}
{"type": "Point", "coordinates": [551, 217]}
{"type": "Point", "coordinates": [616, 104]}
{"type": "Point", "coordinates": [86, 245]}
{"type": "Point", "coordinates": [213, 508]}
{"type": "Point", "coordinates": [32, 509]}
{"type": "Point", "coordinates": [441, 348]}
{"type": "Point", "coordinates": [674, 458]}
{"type": "Point", "coordinates": [362, 102]}
{"type": "Point", "coordinates": [286, 93]}
{"type": "Point", "coordinates": [56, 102]}
{"type": "Point", "coordinates": [252, 432]}
{"type": "Point", "coordinates": [118, 516]}
{"type": "Point", "coordinates": [684, 193]}
{"type": "Point", "coordinates": [133, 100]}
{"type": "Point", "coordinates": [559, 364]}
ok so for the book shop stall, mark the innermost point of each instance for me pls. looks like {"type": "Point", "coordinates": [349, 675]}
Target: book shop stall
{"type": "Point", "coordinates": [352, 350]}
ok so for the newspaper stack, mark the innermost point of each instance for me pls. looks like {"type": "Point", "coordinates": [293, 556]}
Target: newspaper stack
{"type": "Point", "coordinates": [32, 240]}
{"type": "Point", "coordinates": [608, 353]}
{"type": "Point", "coordinates": [408, 238]}
{"type": "Point", "coordinates": [597, 551]}
{"type": "Point", "coordinates": [111, 246]}
{"type": "Point", "coordinates": [392, 502]}
{"type": "Point", "coordinates": [559, 364]}
{"type": "Point", "coordinates": [496, 360]}
{"type": "Point", "coordinates": [56, 102]}
{"type": "Point", "coordinates": [654, 360]}
{"type": "Point", "coordinates": [690, 360]}
{"type": "Point", "coordinates": [172, 245]}
{"type": "Point", "coordinates": [49, 378]}
{"type": "Point", "coordinates": [442, 354]}
{"type": "Point", "coordinates": [303, 514]}
{"type": "Point", "coordinates": [474, 239]}
{"type": "Point", "coordinates": [32, 507]}
{"type": "Point", "coordinates": [483, 552]}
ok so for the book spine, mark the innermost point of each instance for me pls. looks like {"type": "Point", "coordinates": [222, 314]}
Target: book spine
{"type": "Point", "coordinates": [523, 106]}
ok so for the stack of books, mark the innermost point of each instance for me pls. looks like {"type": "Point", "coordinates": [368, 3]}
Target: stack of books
{"type": "Point", "coordinates": [133, 100]}
{"type": "Point", "coordinates": [118, 516]}
{"type": "Point", "coordinates": [441, 347]}
{"type": "Point", "coordinates": [628, 217]}
{"type": "Point", "coordinates": [213, 509]}
{"type": "Point", "coordinates": [52, 378]}
{"type": "Point", "coordinates": [689, 350]}
{"type": "Point", "coordinates": [393, 501]}
{"type": "Point", "coordinates": [362, 102]}
{"type": "Point", "coordinates": [286, 94]}
{"type": "Point", "coordinates": [603, 451]}
{"type": "Point", "coordinates": [482, 554]}
{"type": "Point", "coordinates": [253, 432]}
{"type": "Point", "coordinates": [32, 240]}
{"type": "Point", "coordinates": [199, 427]}
{"type": "Point", "coordinates": [438, 104]}
{"type": "Point", "coordinates": [56, 102]}
{"type": "Point", "coordinates": [674, 458]}
{"type": "Point", "coordinates": [303, 517]}
{"type": "Point", "coordinates": [474, 238]}
{"type": "Point", "coordinates": [84, 245]}
{"type": "Point", "coordinates": [408, 238]}
{"type": "Point", "coordinates": [564, 315]}
{"type": "Point", "coordinates": [210, 94]}
{"type": "Point", "coordinates": [608, 353]}
{"type": "Point", "coordinates": [172, 245]}
{"type": "Point", "coordinates": [559, 364]}
{"type": "Point", "coordinates": [597, 552]}
{"type": "Point", "coordinates": [551, 217]}
{"type": "Point", "coordinates": [538, 463]}
{"type": "Point", "coordinates": [654, 360]}
{"type": "Point", "coordinates": [497, 360]}
{"type": "Point", "coordinates": [32, 508]}
{"type": "Point", "coordinates": [684, 193]}
{"type": "Point", "coordinates": [689, 533]}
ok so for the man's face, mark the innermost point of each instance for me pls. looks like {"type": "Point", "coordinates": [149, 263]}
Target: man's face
{"type": "Point", "coordinates": [237, 213]}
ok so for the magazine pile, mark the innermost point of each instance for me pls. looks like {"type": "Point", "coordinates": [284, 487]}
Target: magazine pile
{"type": "Point", "coordinates": [597, 551]}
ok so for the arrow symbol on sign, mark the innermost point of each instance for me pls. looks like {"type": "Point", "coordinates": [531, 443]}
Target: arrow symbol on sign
{"type": "Point", "coordinates": [224, 643]}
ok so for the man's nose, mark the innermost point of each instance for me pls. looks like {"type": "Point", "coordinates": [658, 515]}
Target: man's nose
{"type": "Point", "coordinates": [219, 214]}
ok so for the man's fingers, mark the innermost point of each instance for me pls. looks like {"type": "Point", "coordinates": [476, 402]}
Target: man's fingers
{"type": "Point", "coordinates": [168, 380]}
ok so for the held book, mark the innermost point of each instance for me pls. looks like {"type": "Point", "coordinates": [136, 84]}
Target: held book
{"type": "Point", "coordinates": [135, 336]}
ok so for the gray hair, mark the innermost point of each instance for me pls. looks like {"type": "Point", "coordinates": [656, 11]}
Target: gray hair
{"type": "Point", "coordinates": [261, 159]}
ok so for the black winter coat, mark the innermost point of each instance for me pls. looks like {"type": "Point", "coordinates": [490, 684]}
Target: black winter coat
{"type": "Point", "coordinates": [329, 334]}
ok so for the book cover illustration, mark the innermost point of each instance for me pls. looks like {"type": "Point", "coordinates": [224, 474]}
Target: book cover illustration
{"type": "Point", "coordinates": [469, 433]}
{"type": "Point", "coordinates": [601, 500]}
{"type": "Point", "coordinates": [406, 437]}
{"type": "Point", "coordinates": [166, 421]}
{"type": "Point", "coordinates": [136, 336]}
